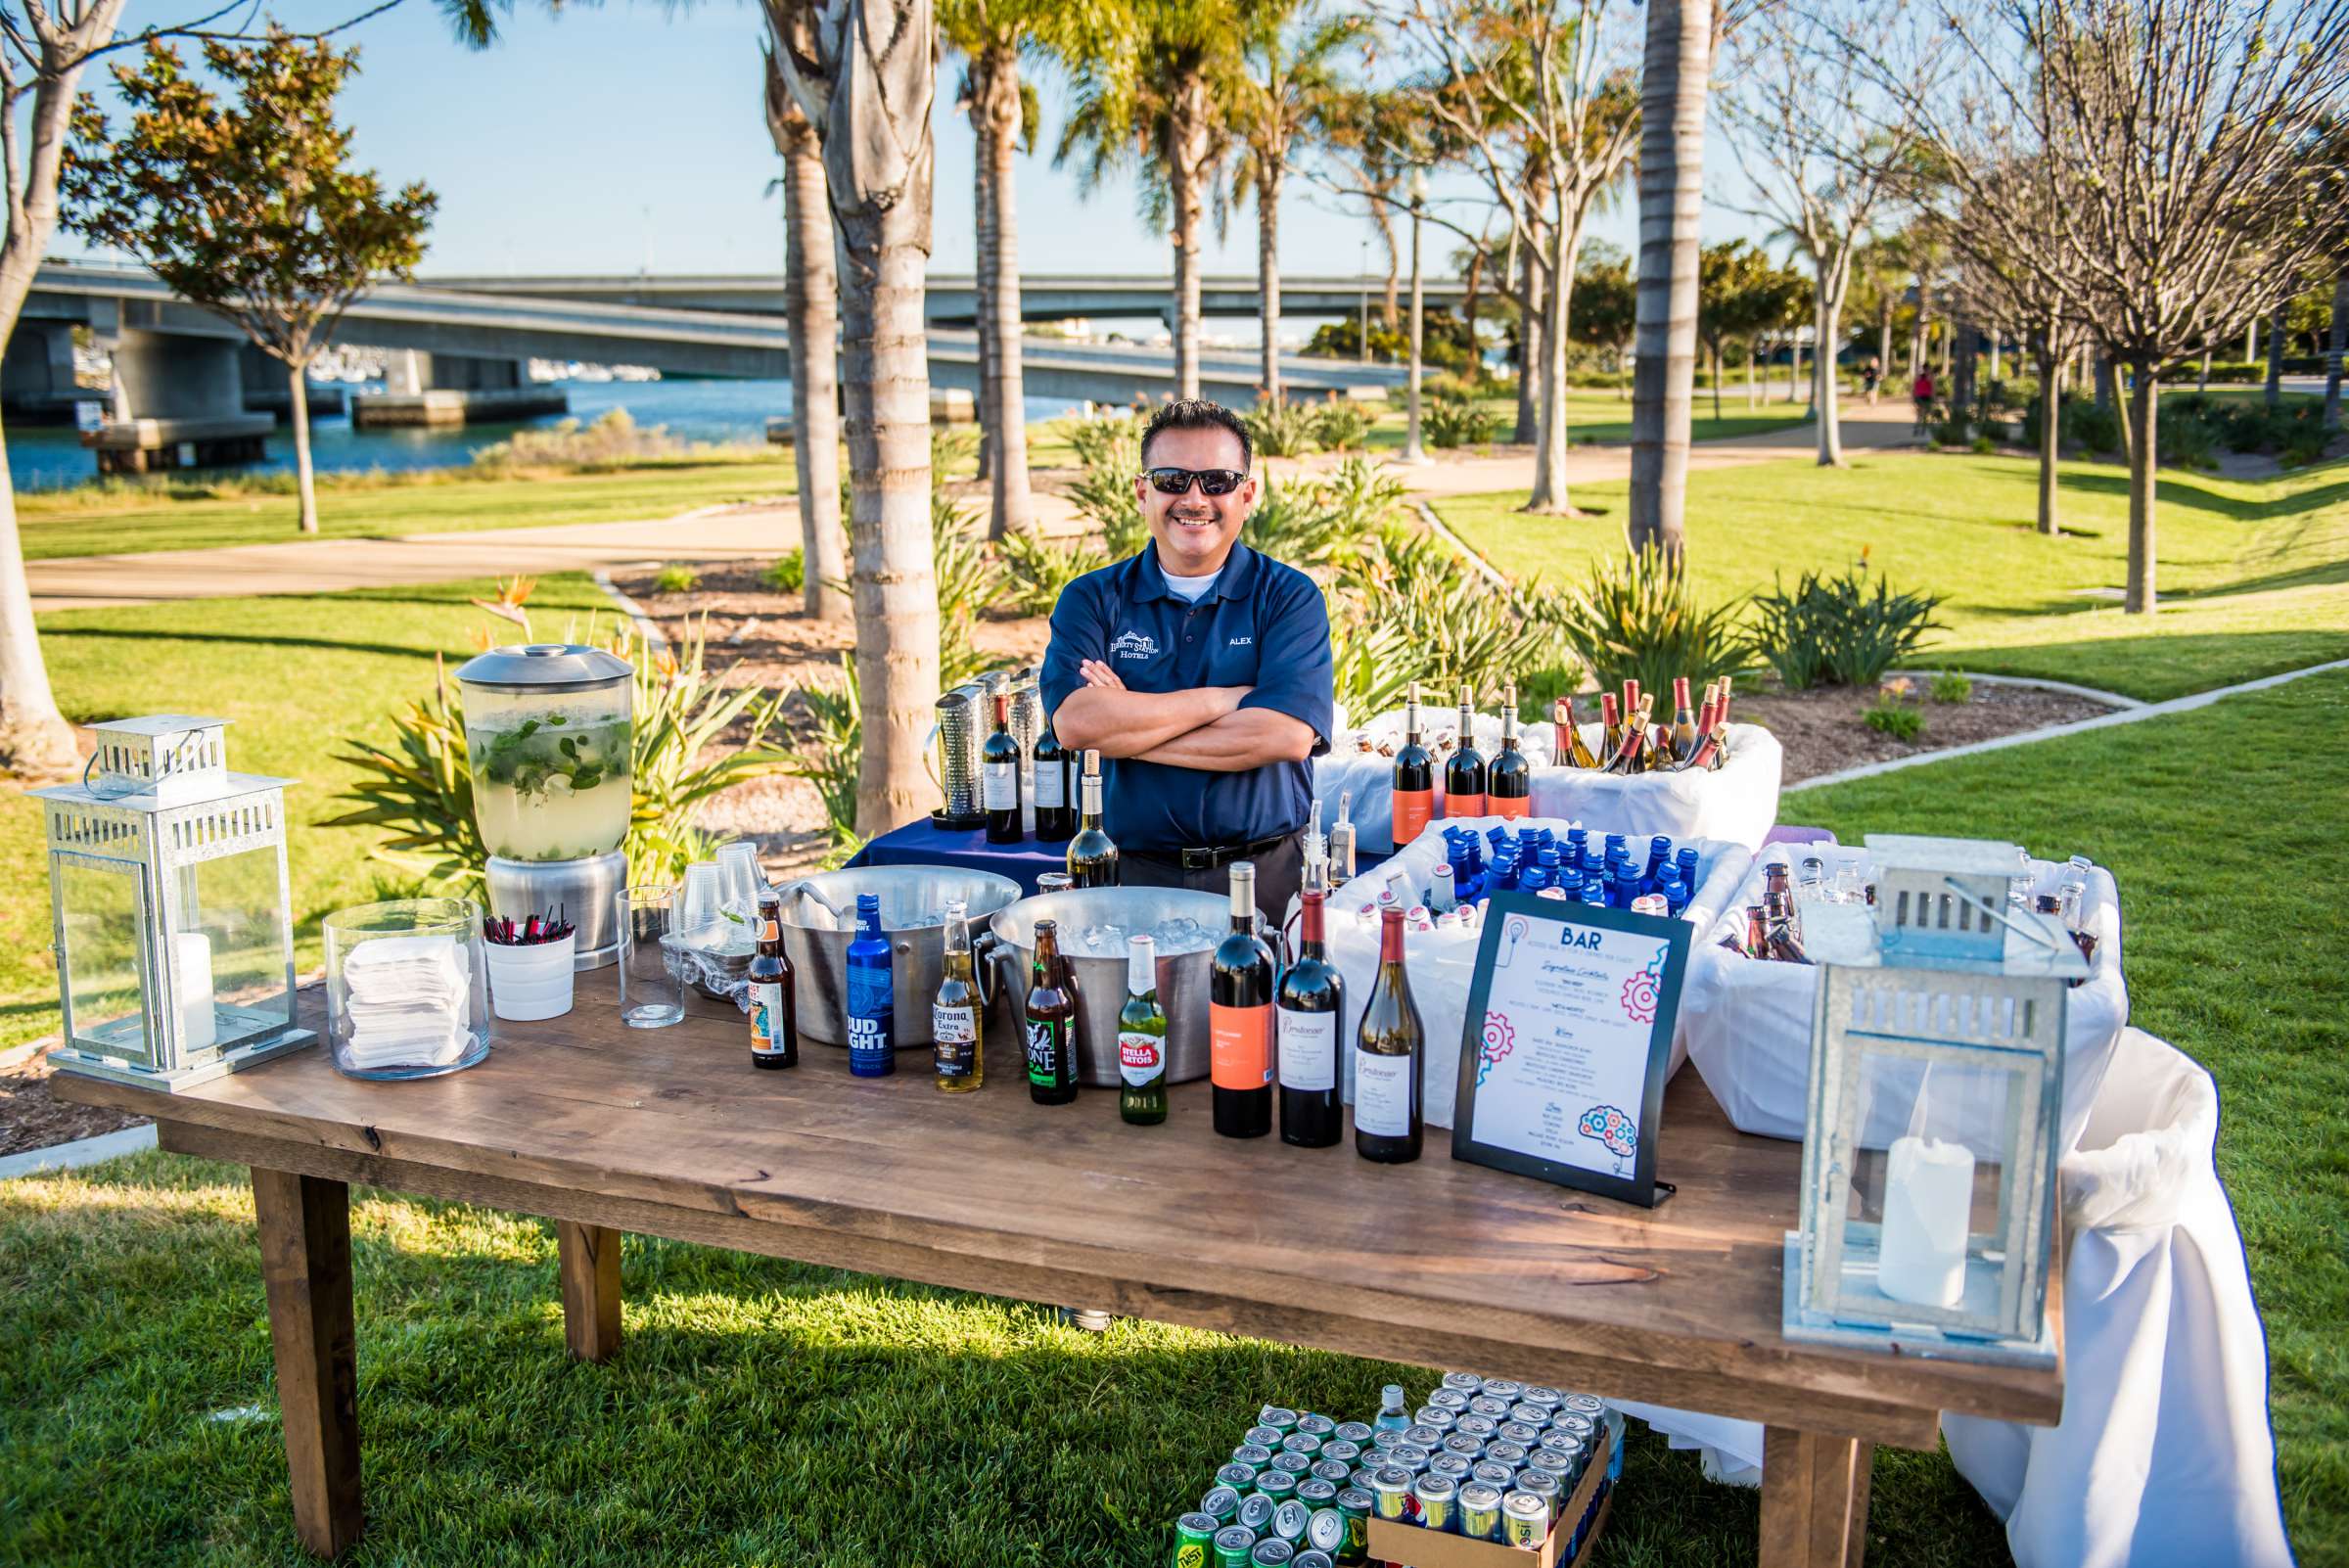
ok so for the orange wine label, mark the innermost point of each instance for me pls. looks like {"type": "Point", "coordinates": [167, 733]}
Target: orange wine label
{"type": "Point", "coordinates": [1463, 806]}
{"type": "Point", "coordinates": [1240, 1040]}
{"type": "Point", "coordinates": [1502, 805]}
{"type": "Point", "coordinates": [1413, 808]}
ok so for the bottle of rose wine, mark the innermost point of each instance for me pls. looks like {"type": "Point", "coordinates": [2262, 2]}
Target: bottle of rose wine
{"type": "Point", "coordinates": [1610, 738]}
{"type": "Point", "coordinates": [1464, 774]}
{"type": "Point", "coordinates": [1389, 1058]}
{"type": "Point", "coordinates": [1683, 721]}
{"type": "Point", "coordinates": [1568, 744]}
{"type": "Point", "coordinates": [1414, 777]}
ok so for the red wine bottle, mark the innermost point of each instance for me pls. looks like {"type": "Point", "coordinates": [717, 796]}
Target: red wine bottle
{"type": "Point", "coordinates": [1239, 997]}
{"type": "Point", "coordinates": [1307, 1013]}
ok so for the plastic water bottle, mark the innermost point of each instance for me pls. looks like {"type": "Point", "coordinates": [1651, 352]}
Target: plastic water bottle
{"type": "Point", "coordinates": [1393, 1416]}
{"type": "Point", "coordinates": [872, 995]}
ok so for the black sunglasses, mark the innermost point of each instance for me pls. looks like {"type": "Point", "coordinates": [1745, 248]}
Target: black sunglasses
{"type": "Point", "coordinates": [1177, 481]}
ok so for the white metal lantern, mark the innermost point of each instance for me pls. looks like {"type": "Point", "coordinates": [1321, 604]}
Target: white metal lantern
{"type": "Point", "coordinates": [1936, 1085]}
{"type": "Point", "coordinates": [173, 932]}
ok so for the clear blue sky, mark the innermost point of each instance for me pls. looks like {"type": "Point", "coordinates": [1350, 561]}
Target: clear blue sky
{"type": "Point", "coordinates": [626, 137]}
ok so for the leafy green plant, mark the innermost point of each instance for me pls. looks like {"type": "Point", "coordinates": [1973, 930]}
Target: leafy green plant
{"type": "Point", "coordinates": [1445, 624]}
{"type": "Point", "coordinates": [1893, 715]}
{"type": "Point", "coordinates": [1109, 455]}
{"type": "Point", "coordinates": [1324, 520]}
{"type": "Point", "coordinates": [1639, 619]}
{"type": "Point", "coordinates": [828, 758]}
{"type": "Point", "coordinates": [1951, 686]}
{"type": "Point", "coordinates": [1281, 430]}
{"type": "Point", "coordinates": [1842, 630]}
{"type": "Point", "coordinates": [676, 577]}
{"type": "Point", "coordinates": [788, 573]}
{"type": "Point", "coordinates": [970, 583]}
{"type": "Point", "coordinates": [1341, 425]}
{"type": "Point", "coordinates": [1448, 423]}
{"type": "Point", "coordinates": [1040, 570]}
{"type": "Point", "coordinates": [421, 786]}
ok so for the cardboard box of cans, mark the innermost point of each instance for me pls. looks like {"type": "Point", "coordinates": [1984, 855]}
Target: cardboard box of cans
{"type": "Point", "coordinates": [1537, 1491]}
{"type": "Point", "coordinates": [1302, 1491]}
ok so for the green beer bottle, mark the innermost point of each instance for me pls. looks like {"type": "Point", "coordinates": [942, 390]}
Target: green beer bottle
{"type": "Point", "coordinates": [1141, 1039]}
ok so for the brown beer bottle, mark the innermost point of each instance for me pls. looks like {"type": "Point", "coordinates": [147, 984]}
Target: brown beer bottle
{"type": "Point", "coordinates": [774, 1021]}
{"type": "Point", "coordinates": [1051, 1022]}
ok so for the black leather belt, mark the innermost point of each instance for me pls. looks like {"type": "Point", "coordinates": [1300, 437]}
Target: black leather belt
{"type": "Point", "coordinates": [1199, 859]}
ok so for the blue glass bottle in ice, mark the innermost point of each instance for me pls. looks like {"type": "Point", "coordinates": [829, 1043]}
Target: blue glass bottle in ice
{"type": "Point", "coordinates": [1686, 860]}
{"type": "Point", "coordinates": [872, 995]}
{"type": "Point", "coordinates": [1659, 850]}
{"type": "Point", "coordinates": [1667, 883]}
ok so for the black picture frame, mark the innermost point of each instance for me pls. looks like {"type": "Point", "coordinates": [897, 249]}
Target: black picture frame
{"type": "Point", "coordinates": [1640, 1187]}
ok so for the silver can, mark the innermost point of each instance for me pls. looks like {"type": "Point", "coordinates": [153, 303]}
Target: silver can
{"type": "Point", "coordinates": [1493, 1473]}
{"type": "Point", "coordinates": [1549, 1488]}
{"type": "Point", "coordinates": [1352, 1431]}
{"type": "Point", "coordinates": [1479, 1511]}
{"type": "Point", "coordinates": [1502, 1388]}
{"type": "Point", "coordinates": [1463, 1382]}
{"type": "Point", "coordinates": [1435, 1419]}
{"type": "Point", "coordinates": [1524, 1432]}
{"type": "Point", "coordinates": [1423, 1437]}
{"type": "Point", "coordinates": [1448, 1399]}
{"type": "Point", "coordinates": [1345, 1451]}
{"type": "Point", "coordinates": [1590, 1404]}
{"type": "Point", "coordinates": [1548, 1397]}
{"type": "Point", "coordinates": [1524, 1521]}
{"type": "Point", "coordinates": [1454, 1467]}
{"type": "Point", "coordinates": [1531, 1414]}
{"type": "Point", "coordinates": [1466, 1444]}
{"type": "Point", "coordinates": [1503, 1451]}
{"type": "Point", "coordinates": [1477, 1426]}
{"type": "Point", "coordinates": [1438, 1500]}
{"type": "Point", "coordinates": [1487, 1405]}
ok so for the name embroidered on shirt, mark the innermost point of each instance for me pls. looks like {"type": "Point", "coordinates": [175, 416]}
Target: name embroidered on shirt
{"type": "Point", "coordinates": [1242, 642]}
{"type": "Point", "coordinates": [1132, 645]}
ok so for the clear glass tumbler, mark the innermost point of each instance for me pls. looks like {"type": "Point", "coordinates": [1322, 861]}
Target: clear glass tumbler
{"type": "Point", "coordinates": [651, 997]}
{"type": "Point", "coordinates": [406, 988]}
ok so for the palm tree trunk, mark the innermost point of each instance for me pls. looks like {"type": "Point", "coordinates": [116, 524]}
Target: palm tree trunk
{"type": "Point", "coordinates": [1549, 494]}
{"type": "Point", "coordinates": [1184, 155]}
{"type": "Point", "coordinates": [1468, 302]}
{"type": "Point", "coordinates": [810, 294]}
{"type": "Point", "coordinates": [1014, 507]}
{"type": "Point", "coordinates": [2051, 435]}
{"type": "Point", "coordinates": [305, 478]}
{"type": "Point", "coordinates": [35, 741]}
{"type": "Point", "coordinates": [1391, 307]}
{"type": "Point", "coordinates": [1676, 60]}
{"type": "Point", "coordinates": [2335, 349]}
{"type": "Point", "coordinates": [1268, 274]}
{"type": "Point", "coordinates": [2142, 459]}
{"type": "Point", "coordinates": [1529, 348]}
{"type": "Point", "coordinates": [1883, 342]}
{"type": "Point", "coordinates": [982, 303]}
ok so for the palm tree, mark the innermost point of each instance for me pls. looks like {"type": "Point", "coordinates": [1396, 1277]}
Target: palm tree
{"type": "Point", "coordinates": [1674, 74]}
{"type": "Point", "coordinates": [863, 71]}
{"type": "Point", "coordinates": [810, 285]}
{"type": "Point", "coordinates": [992, 35]}
{"type": "Point", "coordinates": [1152, 107]}
{"type": "Point", "coordinates": [1283, 87]}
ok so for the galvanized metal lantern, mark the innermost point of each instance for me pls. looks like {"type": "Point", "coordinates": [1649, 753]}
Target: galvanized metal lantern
{"type": "Point", "coordinates": [1936, 1087]}
{"type": "Point", "coordinates": [174, 933]}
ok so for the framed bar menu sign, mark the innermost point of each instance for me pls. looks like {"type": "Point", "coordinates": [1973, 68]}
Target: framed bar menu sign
{"type": "Point", "coordinates": [1567, 1038]}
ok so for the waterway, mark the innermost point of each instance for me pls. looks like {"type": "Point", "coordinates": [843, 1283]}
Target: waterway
{"type": "Point", "coordinates": [53, 457]}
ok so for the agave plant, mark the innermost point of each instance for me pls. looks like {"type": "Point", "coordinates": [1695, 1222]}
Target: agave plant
{"type": "Point", "coordinates": [1639, 619]}
{"type": "Point", "coordinates": [829, 760]}
{"type": "Point", "coordinates": [422, 789]}
{"type": "Point", "coordinates": [1452, 627]}
{"type": "Point", "coordinates": [1040, 568]}
{"type": "Point", "coordinates": [1109, 453]}
{"type": "Point", "coordinates": [1281, 430]}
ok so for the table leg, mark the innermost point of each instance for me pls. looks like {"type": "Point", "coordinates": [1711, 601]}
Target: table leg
{"type": "Point", "coordinates": [305, 1266]}
{"type": "Point", "coordinates": [588, 1262]}
{"type": "Point", "coordinates": [1814, 1499]}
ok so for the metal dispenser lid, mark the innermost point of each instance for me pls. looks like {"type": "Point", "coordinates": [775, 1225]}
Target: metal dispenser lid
{"type": "Point", "coordinates": [535, 666]}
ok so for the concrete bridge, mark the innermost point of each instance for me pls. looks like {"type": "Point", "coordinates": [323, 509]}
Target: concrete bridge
{"type": "Point", "coordinates": [183, 376]}
{"type": "Point", "coordinates": [953, 295]}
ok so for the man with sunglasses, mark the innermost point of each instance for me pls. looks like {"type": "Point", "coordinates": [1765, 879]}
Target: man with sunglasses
{"type": "Point", "coordinates": [1200, 671]}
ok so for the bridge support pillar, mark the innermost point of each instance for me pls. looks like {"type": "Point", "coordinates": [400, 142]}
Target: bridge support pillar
{"type": "Point", "coordinates": [266, 390]}
{"type": "Point", "coordinates": [178, 403]}
{"type": "Point", "coordinates": [431, 388]}
{"type": "Point", "coordinates": [36, 375]}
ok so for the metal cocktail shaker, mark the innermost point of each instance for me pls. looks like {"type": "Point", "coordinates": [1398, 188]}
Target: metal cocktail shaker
{"type": "Point", "coordinates": [963, 720]}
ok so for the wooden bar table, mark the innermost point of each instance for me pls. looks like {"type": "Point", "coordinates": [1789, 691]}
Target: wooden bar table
{"type": "Point", "coordinates": [671, 1133]}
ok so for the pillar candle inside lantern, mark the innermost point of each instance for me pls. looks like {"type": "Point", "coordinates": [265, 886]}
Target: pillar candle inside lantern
{"type": "Point", "coordinates": [1928, 1204]}
{"type": "Point", "coordinates": [197, 1029]}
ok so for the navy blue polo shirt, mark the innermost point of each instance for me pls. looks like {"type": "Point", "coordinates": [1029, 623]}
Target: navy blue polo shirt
{"type": "Point", "coordinates": [1262, 625]}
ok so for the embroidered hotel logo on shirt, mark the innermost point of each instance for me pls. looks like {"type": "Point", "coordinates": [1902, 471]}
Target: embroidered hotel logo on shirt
{"type": "Point", "coordinates": [1132, 645]}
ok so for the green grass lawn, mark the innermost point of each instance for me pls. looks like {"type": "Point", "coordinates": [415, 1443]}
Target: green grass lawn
{"type": "Point", "coordinates": [297, 674]}
{"type": "Point", "coordinates": [1602, 416]}
{"type": "Point", "coordinates": [2252, 572]}
{"type": "Point", "coordinates": [767, 1413]}
{"type": "Point", "coordinates": [118, 519]}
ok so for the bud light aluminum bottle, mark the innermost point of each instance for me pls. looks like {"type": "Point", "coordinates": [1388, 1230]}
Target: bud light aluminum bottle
{"type": "Point", "coordinates": [872, 995]}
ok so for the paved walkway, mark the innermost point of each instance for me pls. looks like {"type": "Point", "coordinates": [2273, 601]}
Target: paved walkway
{"type": "Point", "coordinates": [758, 532]}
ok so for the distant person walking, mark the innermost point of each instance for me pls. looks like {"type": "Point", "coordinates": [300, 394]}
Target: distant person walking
{"type": "Point", "coordinates": [1872, 375]}
{"type": "Point", "coordinates": [1922, 391]}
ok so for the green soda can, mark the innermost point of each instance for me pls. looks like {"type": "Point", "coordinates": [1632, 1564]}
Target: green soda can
{"type": "Point", "coordinates": [1359, 1481]}
{"type": "Point", "coordinates": [1233, 1543]}
{"type": "Point", "coordinates": [1330, 1470]}
{"type": "Point", "coordinates": [1256, 1512]}
{"type": "Point", "coordinates": [1253, 1454]}
{"type": "Point", "coordinates": [1317, 1425]}
{"type": "Point", "coordinates": [1304, 1443]}
{"type": "Point", "coordinates": [1355, 1504]}
{"type": "Point", "coordinates": [1310, 1558]}
{"type": "Point", "coordinates": [1290, 1519]}
{"type": "Point", "coordinates": [1264, 1437]}
{"type": "Point", "coordinates": [1352, 1431]}
{"type": "Point", "coordinates": [1325, 1531]}
{"type": "Point", "coordinates": [1195, 1540]}
{"type": "Point", "coordinates": [1271, 1552]}
{"type": "Point", "coordinates": [1238, 1477]}
{"type": "Point", "coordinates": [1343, 1450]}
{"type": "Point", "coordinates": [1278, 1485]}
{"type": "Point", "coordinates": [1279, 1420]}
{"type": "Point", "coordinates": [1222, 1505]}
{"type": "Point", "coordinates": [1292, 1463]}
